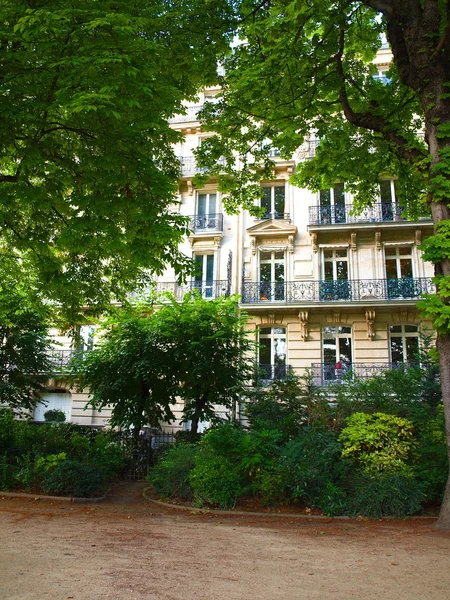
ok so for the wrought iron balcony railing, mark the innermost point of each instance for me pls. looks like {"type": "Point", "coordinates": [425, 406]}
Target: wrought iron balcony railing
{"type": "Point", "coordinates": [277, 372]}
{"type": "Point", "coordinates": [308, 149]}
{"type": "Point", "coordinates": [275, 215]}
{"type": "Point", "coordinates": [340, 214]}
{"type": "Point", "coordinates": [205, 223]}
{"type": "Point", "coordinates": [207, 289]}
{"type": "Point", "coordinates": [190, 116]}
{"type": "Point", "coordinates": [351, 290]}
{"type": "Point", "coordinates": [326, 373]}
{"type": "Point", "coordinates": [60, 359]}
{"type": "Point", "coordinates": [189, 165]}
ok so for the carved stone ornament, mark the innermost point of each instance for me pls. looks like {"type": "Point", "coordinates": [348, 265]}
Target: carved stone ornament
{"type": "Point", "coordinates": [370, 320]}
{"type": "Point", "coordinates": [217, 240]}
{"type": "Point", "coordinates": [314, 242]}
{"type": "Point", "coordinates": [190, 187]}
{"type": "Point", "coordinates": [291, 244]}
{"type": "Point", "coordinates": [378, 240]}
{"type": "Point", "coordinates": [403, 316]}
{"type": "Point", "coordinates": [304, 332]}
{"type": "Point", "coordinates": [418, 237]}
{"type": "Point", "coordinates": [353, 241]}
{"type": "Point", "coordinates": [336, 316]}
{"type": "Point", "coordinates": [253, 244]}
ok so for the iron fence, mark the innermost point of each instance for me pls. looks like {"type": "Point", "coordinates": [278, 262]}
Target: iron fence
{"type": "Point", "coordinates": [343, 213]}
{"type": "Point", "coordinates": [324, 374]}
{"type": "Point", "coordinates": [202, 223]}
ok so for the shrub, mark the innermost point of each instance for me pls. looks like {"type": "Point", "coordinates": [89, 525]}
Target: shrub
{"type": "Point", "coordinates": [379, 495]}
{"type": "Point", "coordinates": [170, 477]}
{"type": "Point", "coordinates": [73, 478]}
{"type": "Point", "coordinates": [311, 462]}
{"type": "Point", "coordinates": [8, 473]}
{"type": "Point", "coordinates": [215, 481]}
{"type": "Point", "coordinates": [377, 442]}
{"type": "Point", "coordinates": [54, 416]}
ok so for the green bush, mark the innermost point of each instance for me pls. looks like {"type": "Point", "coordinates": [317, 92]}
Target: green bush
{"type": "Point", "coordinates": [215, 481]}
{"type": "Point", "coordinates": [73, 478]}
{"type": "Point", "coordinates": [8, 474]}
{"type": "Point", "coordinates": [379, 495]}
{"type": "Point", "coordinates": [377, 442]}
{"type": "Point", "coordinates": [170, 477]}
{"type": "Point", "coordinates": [311, 462]}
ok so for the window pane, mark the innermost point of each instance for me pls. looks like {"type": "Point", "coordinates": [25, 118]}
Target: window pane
{"type": "Point", "coordinates": [397, 349]}
{"type": "Point", "coordinates": [412, 348]}
{"type": "Point", "coordinates": [385, 191]}
{"type": "Point", "coordinates": [411, 328]}
{"type": "Point", "coordinates": [345, 349]}
{"type": "Point", "coordinates": [279, 272]}
{"type": "Point", "coordinates": [201, 205]}
{"type": "Point", "coordinates": [329, 350]}
{"type": "Point", "coordinates": [339, 194]}
{"type": "Point", "coordinates": [279, 255]}
{"type": "Point", "coordinates": [341, 253]}
{"type": "Point", "coordinates": [265, 256]}
{"type": "Point", "coordinates": [279, 200]}
{"type": "Point", "coordinates": [265, 351]}
{"type": "Point", "coordinates": [406, 267]}
{"type": "Point", "coordinates": [265, 273]}
{"type": "Point", "coordinates": [328, 271]}
{"type": "Point", "coordinates": [266, 200]}
{"type": "Point", "coordinates": [279, 330]}
{"type": "Point", "coordinates": [342, 269]}
{"type": "Point", "coordinates": [325, 198]}
{"type": "Point", "coordinates": [345, 330]}
{"type": "Point", "coordinates": [209, 267]}
{"type": "Point", "coordinates": [212, 204]}
{"type": "Point", "coordinates": [391, 269]}
{"type": "Point", "coordinates": [395, 328]}
{"type": "Point", "coordinates": [265, 331]}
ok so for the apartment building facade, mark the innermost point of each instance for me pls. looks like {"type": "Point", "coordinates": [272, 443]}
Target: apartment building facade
{"type": "Point", "coordinates": [326, 288]}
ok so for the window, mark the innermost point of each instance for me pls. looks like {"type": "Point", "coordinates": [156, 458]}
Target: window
{"type": "Point", "coordinates": [332, 205]}
{"type": "Point", "coordinates": [204, 275]}
{"type": "Point", "coordinates": [404, 343]}
{"type": "Point", "coordinates": [337, 352]}
{"type": "Point", "coordinates": [273, 202]}
{"type": "Point", "coordinates": [272, 353]}
{"type": "Point", "coordinates": [86, 339]}
{"type": "Point", "coordinates": [390, 211]}
{"type": "Point", "coordinates": [335, 284]}
{"type": "Point", "coordinates": [399, 272]}
{"type": "Point", "coordinates": [271, 275]}
{"type": "Point", "coordinates": [57, 400]}
{"type": "Point", "coordinates": [206, 216]}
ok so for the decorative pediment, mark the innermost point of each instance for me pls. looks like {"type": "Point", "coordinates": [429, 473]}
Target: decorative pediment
{"type": "Point", "coordinates": [271, 228]}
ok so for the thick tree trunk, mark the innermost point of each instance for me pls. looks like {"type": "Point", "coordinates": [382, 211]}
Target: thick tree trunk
{"type": "Point", "coordinates": [443, 346]}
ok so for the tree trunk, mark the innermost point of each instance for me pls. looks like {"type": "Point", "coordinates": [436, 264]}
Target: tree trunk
{"type": "Point", "coordinates": [443, 347]}
{"type": "Point", "coordinates": [200, 403]}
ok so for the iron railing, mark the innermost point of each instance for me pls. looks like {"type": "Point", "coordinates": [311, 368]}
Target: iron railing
{"type": "Point", "coordinates": [191, 115]}
{"type": "Point", "coordinates": [327, 374]}
{"type": "Point", "coordinates": [308, 149]}
{"type": "Point", "coordinates": [289, 292]}
{"type": "Point", "coordinates": [275, 215]}
{"type": "Point", "coordinates": [189, 165]}
{"type": "Point", "coordinates": [342, 213]}
{"type": "Point", "coordinates": [207, 289]}
{"type": "Point", "coordinates": [60, 359]}
{"type": "Point", "coordinates": [204, 223]}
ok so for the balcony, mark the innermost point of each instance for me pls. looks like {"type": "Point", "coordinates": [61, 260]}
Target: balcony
{"type": "Point", "coordinates": [275, 215]}
{"type": "Point", "coordinates": [207, 289]}
{"type": "Point", "coordinates": [60, 359]}
{"type": "Point", "coordinates": [324, 374]}
{"type": "Point", "coordinates": [190, 116]}
{"type": "Point", "coordinates": [189, 166]}
{"type": "Point", "coordinates": [351, 290]}
{"type": "Point", "coordinates": [340, 214]}
{"type": "Point", "coordinates": [206, 223]}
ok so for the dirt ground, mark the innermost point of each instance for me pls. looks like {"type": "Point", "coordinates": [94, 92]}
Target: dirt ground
{"type": "Point", "coordinates": [128, 548]}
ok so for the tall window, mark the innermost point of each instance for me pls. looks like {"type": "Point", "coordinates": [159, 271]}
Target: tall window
{"type": "Point", "coordinates": [337, 351]}
{"type": "Point", "coordinates": [332, 204]}
{"type": "Point", "coordinates": [204, 274]}
{"type": "Point", "coordinates": [57, 400]}
{"type": "Point", "coordinates": [335, 284]}
{"type": "Point", "coordinates": [272, 352]}
{"type": "Point", "coordinates": [399, 272]}
{"type": "Point", "coordinates": [390, 211]}
{"type": "Point", "coordinates": [273, 202]}
{"type": "Point", "coordinates": [86, 338]}
{"type": "Point", "coordinates": [206, 213]}
{"type": "Point", "coordinates": [272, 275]}
{"type": "Point", "coordinates": [404, 343]}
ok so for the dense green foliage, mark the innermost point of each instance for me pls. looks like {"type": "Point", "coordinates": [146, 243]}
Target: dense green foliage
{"type": "Point", "coordinates": [60, 458]}
{"type": "Point", "coordinates": [87, 167]}
{"type": "Point", "coordinates": [350, 459]}
{"type": "Point", "coordinates": [195, 350]}
{"type": "Point", "coordinates": [54, 416]}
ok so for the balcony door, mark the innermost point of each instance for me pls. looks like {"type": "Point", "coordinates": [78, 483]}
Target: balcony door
{"type": "Point", "coordinates": [390, 210]}
{"type": "Point", "coordinates": [273, 202]}
{"type": "Point", "coordinates": [272, 275]}
{"type": "Point", "coordinates": [204, 274]}
{"type": "Point", "coordinates": [404, 343]}
{"type": "Point", "coordinates": [335, 284]}
{"type": "Point", "coordinates": [205, 217]}
{"type": "Point", "coordinates": [332, 204]}
{"type": "Point", "coordinates": [399, 272]}
{"type": "Point", "coordinates": [272, 353]}
{"type": "Point", "coordinates": [337, 352]}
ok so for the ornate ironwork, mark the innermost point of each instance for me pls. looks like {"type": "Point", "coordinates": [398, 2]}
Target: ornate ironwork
{"type": "Point", "coordinates": [335, 291]}
{"type": "Point", "coordinates": [326, 373]}
{"type": "Point", "coordinates": [60, 359]}
{"type": "Point", "coordinates": [343, 213]}
{"type": "Point", "coordinates": [189, 166]}
{"type": "Point", "coordinates": [206, 222]}
{"type": "Point", "coordinates": [265, 373]}
{"type": "Point", "coordinates": [229, 272]}
{"type": "Point", "coordinates": [275, 215]}
{"type": "Point", "coordinates": [207, 289]}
